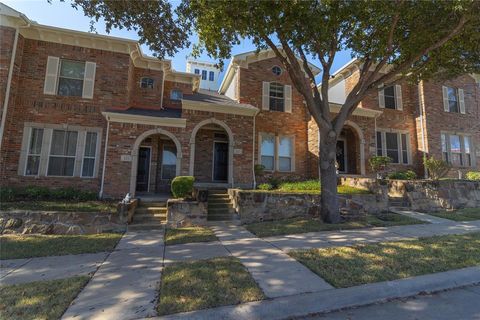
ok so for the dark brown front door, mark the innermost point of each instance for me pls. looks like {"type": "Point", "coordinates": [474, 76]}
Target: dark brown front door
{"type": "Point", "coordinates": [143, 169]}
{"type": "Point", "coordinates": [220, 161]}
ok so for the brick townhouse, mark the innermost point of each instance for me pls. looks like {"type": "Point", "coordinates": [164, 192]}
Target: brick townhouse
{"type": "Point", "coordinates": [94, 112]}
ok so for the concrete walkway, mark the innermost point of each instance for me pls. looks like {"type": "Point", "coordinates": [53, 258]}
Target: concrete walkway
{"type": "Point", "coordinates": [419, 216]}
{"type": "Point", "coordinates": [194, 251]}
{"type": "Point", "coordinates": [49, 268]}
{"type": "Point", "coordinates": [125, 286]}
{"type": "Point", "coordinates": [275, 272]}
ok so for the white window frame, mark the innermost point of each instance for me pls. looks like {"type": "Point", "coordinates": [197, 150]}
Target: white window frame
{"type": "Point", "coordinates": [446, 135]}
{"type": "Point", "coordinates": [60, 76]}
{"type": "Point", "coordinates": [460, 99]}
{"type": "Point", "coordinates": [176, 90]}
{"type": "Point", "coordinates": [270, 97]}
{"type": "Point", "coordinates": [399, 144]}
{"type": "Point", "coordinates": [62, 156]}
{"type": "Point", "coordinates": [148, 79]}
{"type": "Point", "coordinates": [276, 147]}
{"type": "Point", "coordinates": [89, 157]}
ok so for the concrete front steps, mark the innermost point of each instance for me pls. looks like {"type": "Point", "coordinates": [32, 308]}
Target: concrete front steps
{"type": "Point", "coordinates": [149, 215]}
{"type": "Point", "coordinates": [219, 206]}
{"type": "Point", "coordinates": [398, 202]}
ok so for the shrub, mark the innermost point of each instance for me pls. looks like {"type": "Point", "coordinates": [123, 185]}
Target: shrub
{"type": "Point", "coordinates": [379, 164]}
{"type": "Point", "coordinates": [436, 168]}
{"type": "Point", "coordinates": [182, 186]}
{"type": "Point", "coordinates": [308, 185]}
{"type": "Point", "coordinates": [275, 182]}
{"type": "Point", "coordinates": [403, 175]}
{"type": "Point", "coordinates": [7, 194]}
{"type": "Point", "coordinates": [473, 175]}
{"type": "Point", "coordinates": [259, 170]}
{"type": "Point", "coordinates": [37, 193]}
{"type": "Point", "coordinates": [265, 186]}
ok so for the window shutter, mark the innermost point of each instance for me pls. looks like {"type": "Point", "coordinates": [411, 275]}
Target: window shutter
{"type": "Point", "coordinates": [89, 80]}
{"type": "Point", "coordinates": [266, 96]}
{"type": "Point", "coordinates": [461, 101]}
{"type": "Point", "coordinates": [446, 107]}
{"type": "Point", "coordinates": [381, 98]}
{"type": "Point", "coordinates": [288, 98]}
{"type": "Point", "coordinates": [50, 85]}
{"type": "Point", "coordinates": [398, 97]}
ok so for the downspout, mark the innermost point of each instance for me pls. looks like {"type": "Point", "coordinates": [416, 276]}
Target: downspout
{"type": "Point", "coordinates": [9, 82]}
{"type": "Point", "coordinates": [421, 103]}
{"type": "Point", "coordinates": [104, 159]}
{"type": "Point", "coordinates": [163, 88]}
{"type": "Point", "coordinates": [253, 152]}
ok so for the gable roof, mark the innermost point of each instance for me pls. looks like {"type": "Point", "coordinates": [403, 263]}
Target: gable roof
{"type": "Point", "coordinates": [244, 59]}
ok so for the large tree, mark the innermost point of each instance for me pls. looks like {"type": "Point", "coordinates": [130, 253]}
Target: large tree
{"type": "Point", "coordinates": [394, 40]}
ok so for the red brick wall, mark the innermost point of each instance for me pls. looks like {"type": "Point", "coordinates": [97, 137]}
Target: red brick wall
{"type": "Point", "coordinates": [169, 86]}
{"type": "Point", "coordinates": [146, 98]}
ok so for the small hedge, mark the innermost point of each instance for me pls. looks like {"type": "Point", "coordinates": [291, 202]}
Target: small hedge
{"type": "Point", "coordinates": [473, 175]}
{"type": "Point", "coordinates": [403, 175]}
{"type": "Point", "coordinates": [37, 193]}
{"type": "Point", "coordinates": [265, 186]}
{"type": "Point", "coordinates": [182, 186]}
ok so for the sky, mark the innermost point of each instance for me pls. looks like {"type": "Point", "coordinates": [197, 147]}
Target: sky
{"type": "Point", "coordinates": [61, 14]}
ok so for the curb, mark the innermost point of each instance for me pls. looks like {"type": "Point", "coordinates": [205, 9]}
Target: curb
{"type": "Point", "coordinates": [335, 299]}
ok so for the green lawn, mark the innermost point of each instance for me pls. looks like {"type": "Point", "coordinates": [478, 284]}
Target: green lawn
{"type": "Point", "coordinates": [82, 206]}
{"type": "Point", "coordinates": [292, 188]}
{"type": "Point", "coordinates": [28, 246]}
{"type": "Point", "coordinates": [302, 225]}
{"type": "Point", "coordinates": [204, 284]}
{"type": "Point", "coordinates": [39, 300]}
{"type": "Point", "coordinates": [467, 214]}
{"type": "Point", "coordinates": [360, 264]}
{"type": "Point", "coordinates": [189, 234]}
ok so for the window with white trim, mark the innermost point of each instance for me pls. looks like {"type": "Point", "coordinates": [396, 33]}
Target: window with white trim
{"type": "Point", "coordinates": [204, 74]}
{"type": "Point", "coordinates": [457, 149]}
{"type": "Point", "coordinates": [277, 101]}
{"type": "Point", "coordinates": [197, 71]}
{"type": "Point", "coordinates": [89, 155]}
{"type": "Point", "coordinates": [211, 76]}
{"type": "Point", "coordinates": [394, 145]}
{"type": "Point", "coordinates": [34, 152]}
{"type": "Point", "coordinates": [146, 83]}
{"type": "Point", "coordinates": [169, 162]}
{"type": "Point", "coordinates": [176, 95]}
{"type": "Point", "coordinates": [63, 151]}
{"type": "Point", "coordinates": [390, 97]}
{"type": "Point", "coordinates": [267, 151]}
{"type": "Point", "coordinates": [70, 78]}
{"type": "Point", "coordinates": [285, 153]}
{"type": "Point", "coordinates": [453, 99]}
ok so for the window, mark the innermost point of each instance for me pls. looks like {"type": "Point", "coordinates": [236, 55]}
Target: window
{"type": "Point", "coordinates": [62, 153]}
{"type": "Point", "coordinates": [34, 150]}
{"type": "Point", "coordinates": [277, 70]}
{"type": "Point", "coordinates": [176, 95]}
{"type": "Point", "coordinates": [204, 74]}
{"type": "Point", "coordinates": [277, 153]}
{"type": "Point", "coordinates": [285, 148]}
{"type": "Point", "coordinates": [197, 71]}
{"type": "Point", "coordinates": [393, 145]}
{"type": "Point", "coordinates": [457, 149]}
{"type": "Point", "coordinates": [389, 96]}
{"type": "Point", "coordinates": [211, 76]}
{"type": "Point", "coordinates": [452, 99]}
{"type": "Point", "coordinates": [146, 83]}
{"type": "Point", "coordinates": [169, 162]}
{"type": "Point", "coordinates": [268, 152]}
{"type": "Point", "coordinates": [70, 80]}
{"type": "Point", "coordinates": [277, 101]}
{"type": "Point", "coordinates": [88, 166]}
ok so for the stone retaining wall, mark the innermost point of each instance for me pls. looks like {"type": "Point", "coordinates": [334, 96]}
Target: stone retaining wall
{"type": "Point", "coordinates": [186, 213]}
{"type": "Point", "coordinates": [255, 206]}
{"type": "Point", "coordinates": [59, 222]}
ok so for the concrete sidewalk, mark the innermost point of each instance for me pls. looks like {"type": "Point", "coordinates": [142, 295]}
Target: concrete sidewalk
{"type": "Point", "coordinates": [275, 272]}
{"type": "Point", "coordinates": [17, 271]}
{"type": "Point", "coordinates": [125, 286]}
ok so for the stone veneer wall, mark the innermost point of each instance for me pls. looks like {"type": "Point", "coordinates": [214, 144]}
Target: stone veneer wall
{"type": "Point", "coordinates": [255, 206]}
{"type": "Point", "coordinates": [186, 213]}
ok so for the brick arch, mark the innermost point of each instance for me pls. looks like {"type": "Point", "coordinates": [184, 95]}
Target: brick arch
{"type": "Point", "coordinates": [136, 146]}
{"type": "Point", "coordinates": [361, 138]}
{"type": "Point", "coordinates": [230, 145]}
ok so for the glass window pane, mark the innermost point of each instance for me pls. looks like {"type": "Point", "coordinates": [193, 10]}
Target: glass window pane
{"type": "Point", "coordinates": [204, 74]}
{"type": "Point", "coordinates": [33, 163]}
{"type": "Point", "coordinates": [70, 87]}
{"type": "Point", "coordinates": [389, 94]}
{"type": "Point", "coordinates": [392, 146]}
{"type": "Point", "coordinates": [456, 159]}
{"type": "Point", "coordinates": [455, 144]}
{"type": "Point", "coordinates": [169, 156]}
{"type": "Point", "coordinates": [285, 147]}
{"type": "Point", "coordinates": [72, 69]}
{"type": "Point", "coordinates": [61, 166]}
{"type": "Point", "coordinates": [444, 143]}
{"type": "Point", "coordinates": [285, 164]}
{"type": "Point", "coordinates": [211, 76]}
{"type": "Point", "coordinates": [267, 162]}
{"type": "Point", "coordinates": [268, 148]}
{"type": "Point", "coordinates": [90, 144]}
{"type": "Point", "coordinates": [58, 142]}
{"type": "Point", "coordinates": [379, 143]}
{"type": "Point", "coordinates": [466, 142]}
{"type": "Point", "coordinates": [453, 106]}
{"type": "Point", "coordinates": [36, 141]}
{"type": "Point", "coordinates": [71, 143]}
{"type": "Point", "coordinates": [168, 172]}
{"type": "Point", "coordinates": [88, 167]}
{"type": "Point", "coordinates": [452, 94]}
{"type": "Point", "coordinates": [393, 154]}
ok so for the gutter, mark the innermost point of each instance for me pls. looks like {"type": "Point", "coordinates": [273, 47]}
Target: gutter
{"type": "Point", "coordinates": [9, 82]}
{"type": "Point", "coordinates": [253, 153]}
{"type": "Point", "coordinates": [100, 195]}
{"type": "Point", "coordinates": [421, 102]}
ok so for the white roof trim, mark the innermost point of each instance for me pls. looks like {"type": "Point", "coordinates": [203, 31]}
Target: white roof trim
{"type": "Point", "coordinates": [218, 108]}
{"type": "Point", "coordinates": [148, 120]}
{"type": "Point", "coordinates": [361, 112]}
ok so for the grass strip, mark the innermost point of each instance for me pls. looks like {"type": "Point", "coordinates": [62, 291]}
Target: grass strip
{"type": "Point", "coordinates": [189, 234]}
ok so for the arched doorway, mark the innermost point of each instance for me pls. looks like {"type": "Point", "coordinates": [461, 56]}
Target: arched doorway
{"type": "Point", "coordinates": [211, 152]}
{"type": "Point", "coordinates": [351, 150]}
{"type": "Point", "coordinates": [156, 160]}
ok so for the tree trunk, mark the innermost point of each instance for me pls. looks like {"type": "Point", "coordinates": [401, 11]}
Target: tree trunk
{"type": "Point", "coordinates": [328, 178]}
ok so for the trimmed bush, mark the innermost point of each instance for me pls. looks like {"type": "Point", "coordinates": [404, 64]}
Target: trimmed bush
{"type": "Point", "coordinates": [473, 175]}
{"type": "Point", "coordinates": [379, 165]}
{"type": "Point", "coordinates": [7, 194]}
{"type": "Point", "coordinates": [403, 175]}
{"type": "Point", "coordinates": [265, 186]}
{"type": "Point", "coordinates": [182, 186]}
{"type": "Point", "coordinates": [37, 193]}
{"type": "Point", "coordinates": [436, 168]}
{"type": "Point", "coordinates": [308, 185]}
